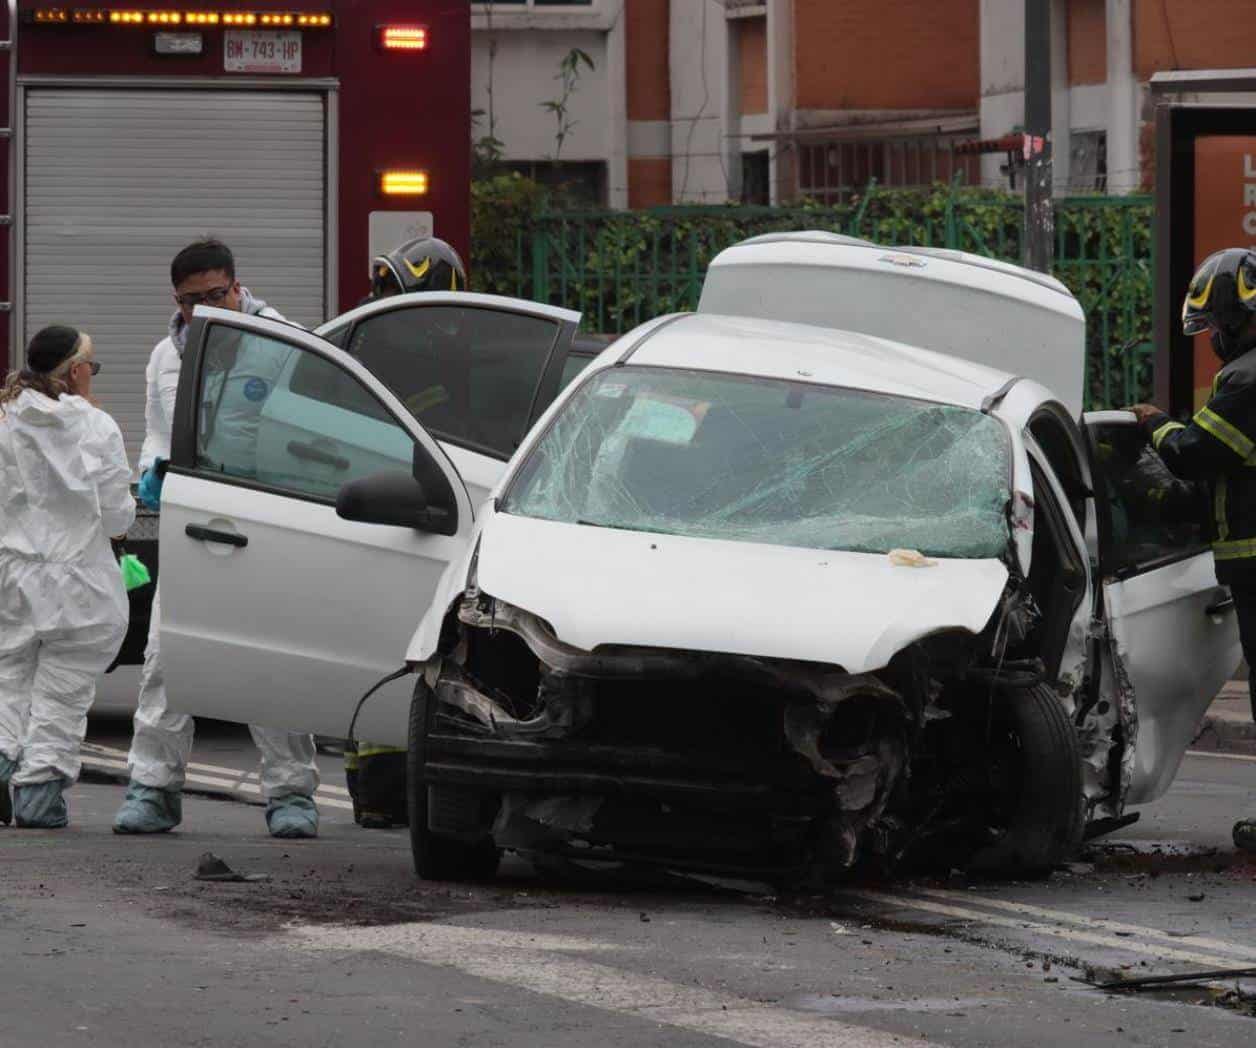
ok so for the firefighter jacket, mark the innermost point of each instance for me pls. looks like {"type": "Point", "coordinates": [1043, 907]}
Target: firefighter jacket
{"type": "Point", "coordinates": [1218, 447]}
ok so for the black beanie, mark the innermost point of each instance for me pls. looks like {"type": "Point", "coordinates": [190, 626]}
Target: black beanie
{"type": "Point", "coordinates": [51, 347]}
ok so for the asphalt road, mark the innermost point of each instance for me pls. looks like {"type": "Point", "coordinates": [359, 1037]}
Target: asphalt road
{"type": "Point", "coordinates": [109, 940]}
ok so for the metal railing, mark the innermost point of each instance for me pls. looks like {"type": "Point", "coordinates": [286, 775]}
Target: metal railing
{"type": "Point", "coordinates": [622, 268]}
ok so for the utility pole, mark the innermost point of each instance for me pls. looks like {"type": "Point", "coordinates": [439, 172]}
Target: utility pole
{"type": "Point", "coordinates": [1039, 208]}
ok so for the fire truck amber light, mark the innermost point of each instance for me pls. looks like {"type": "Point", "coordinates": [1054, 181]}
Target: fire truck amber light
{"type": "Point", "coordinates": [403, 37]}
{"type": "Point", "coordinates": [232, 19]}
{"type": "Point", "coordinates": [403, 183]}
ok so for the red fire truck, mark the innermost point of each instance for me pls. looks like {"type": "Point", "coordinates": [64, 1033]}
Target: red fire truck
{"type": "Point", "coordinates": [307, 135]}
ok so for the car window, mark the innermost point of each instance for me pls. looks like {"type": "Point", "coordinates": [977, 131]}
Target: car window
{"type": "Point", "coordinates": [770, 461]}
{"type": "Point", "coordinates": [1152, 516]}
{"type": "Point", "coordinates": [253, 423]}
{"type": "Point", "coordinates": [468, 374]}
{"type": "Point", "coordinates": [572, 366]}
{"type": "Point", "coordinates": [337, 335]}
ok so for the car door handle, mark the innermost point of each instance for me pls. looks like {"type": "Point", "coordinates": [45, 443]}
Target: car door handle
{"type": "Point", "coordinates": [227, 538]}
{"type": "Point", "coordinates": [316, 454]}
{"type": "Point", "coordinates": [1220, 607]}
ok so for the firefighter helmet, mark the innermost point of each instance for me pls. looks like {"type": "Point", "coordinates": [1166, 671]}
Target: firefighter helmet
{"type": "Point", "coordinates": [425, 264]}
{"type": "Point", "coordinates": [1222, 299]}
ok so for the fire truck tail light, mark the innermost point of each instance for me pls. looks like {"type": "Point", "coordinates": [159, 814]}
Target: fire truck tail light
{"type": "Point", "coordinates": [403, 183]}
{"type": "Point", "coordinates": [403, 37]}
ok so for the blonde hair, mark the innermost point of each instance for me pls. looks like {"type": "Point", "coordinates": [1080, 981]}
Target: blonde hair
{"type": "Point", "coordinates": [51, 384]}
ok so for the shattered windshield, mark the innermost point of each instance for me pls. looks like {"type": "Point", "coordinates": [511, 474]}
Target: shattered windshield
{"type": "Point", "coordinates": [763, 460]}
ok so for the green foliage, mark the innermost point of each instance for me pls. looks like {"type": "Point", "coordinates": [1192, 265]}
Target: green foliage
{"type": "Point", "coordinates": [568, 77]}
{"type": "Point", "coordinates": [504, 208]}
{"type": "Point", "coordinates": [621, 268]}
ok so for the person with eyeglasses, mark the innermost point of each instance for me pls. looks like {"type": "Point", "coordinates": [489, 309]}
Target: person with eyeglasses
{"type": "Point", "coordinates": [204, 273]}
{"type": "Point", "coordinates": [65, 490]}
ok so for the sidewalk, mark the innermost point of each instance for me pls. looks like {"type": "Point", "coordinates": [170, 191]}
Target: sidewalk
{"type": "Point", "coordinates": [1228, 725]}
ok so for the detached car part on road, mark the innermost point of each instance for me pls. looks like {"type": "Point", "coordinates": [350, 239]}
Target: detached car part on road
{"type": "Point", "coordinates": [752, 596]}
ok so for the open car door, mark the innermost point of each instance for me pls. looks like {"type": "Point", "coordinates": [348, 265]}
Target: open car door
{"type": "Point", "coordinates": [475, 370]}
{"type": "Point", "coordinates": [1172, 626]}
{"type": "Point", "coordinates": [275, 610]}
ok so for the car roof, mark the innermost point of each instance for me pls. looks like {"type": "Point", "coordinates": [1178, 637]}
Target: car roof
{"type": "Point", "coordinates": [827, 356]}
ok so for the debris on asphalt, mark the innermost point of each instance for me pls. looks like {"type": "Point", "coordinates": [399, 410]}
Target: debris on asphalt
{"type": "Point", "coordinates": [1113, 981]}
{"type": "Point", "coordinates": [211, 868]}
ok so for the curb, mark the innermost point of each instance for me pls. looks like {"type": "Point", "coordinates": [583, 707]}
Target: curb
{"type": "Point", "coordinates": [1228, 727]}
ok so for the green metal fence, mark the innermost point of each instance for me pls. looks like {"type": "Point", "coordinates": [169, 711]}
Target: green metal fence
{"type": "Point", "coordinates": [621, 268]}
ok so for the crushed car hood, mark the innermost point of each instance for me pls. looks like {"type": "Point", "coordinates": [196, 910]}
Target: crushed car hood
{"type": "Point", "coordinates": [598, 586]}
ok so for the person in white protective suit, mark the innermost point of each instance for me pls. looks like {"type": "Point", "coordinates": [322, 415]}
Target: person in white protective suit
{"type": "Point", "coordinates": [64, 492]}
{"type": "Point", "coordinates": [204, 272]}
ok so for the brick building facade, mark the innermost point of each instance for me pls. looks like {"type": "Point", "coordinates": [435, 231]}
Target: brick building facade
{"type": "Point", "coordinates": [725, 100]}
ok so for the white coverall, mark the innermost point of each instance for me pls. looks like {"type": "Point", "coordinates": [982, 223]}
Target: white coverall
{"type": "Point", "coordinates": [64, 490]}
{"type": "Point", "coordinates": [162, 740]}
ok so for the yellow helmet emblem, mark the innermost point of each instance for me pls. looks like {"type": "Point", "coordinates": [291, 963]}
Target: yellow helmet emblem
{"type": "Point", "coordinates": [1246, 293]}
{"type": "Point", "coordinates": [418, 272]}
{"type": "Point", "coordinates": [1200, 301]}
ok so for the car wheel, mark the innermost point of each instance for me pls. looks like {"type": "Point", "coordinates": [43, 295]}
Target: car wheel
{"type": "Point", "coordinates": [1044, 818]}
{"type": "Point", "coordinates": [437, 858]}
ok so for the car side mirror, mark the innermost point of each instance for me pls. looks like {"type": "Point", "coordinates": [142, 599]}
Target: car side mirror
{"type": "Point", "coordinates": [393, 497]}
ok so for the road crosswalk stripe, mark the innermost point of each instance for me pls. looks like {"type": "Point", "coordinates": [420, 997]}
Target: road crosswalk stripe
{"type": "Point", "coordinates": [1222, 756]}
{"type": "Point", "coordinates": [105, 758]}
{"type": "Point", "coordinates": [1100, 923]}
{"type": "Point", "coordinates": [1078, 935]}
{"type": "Point", "coordinates": [543, 964]}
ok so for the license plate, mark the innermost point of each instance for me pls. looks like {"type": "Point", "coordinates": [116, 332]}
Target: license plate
{"type": "Point", "coordinates": [261, 51]}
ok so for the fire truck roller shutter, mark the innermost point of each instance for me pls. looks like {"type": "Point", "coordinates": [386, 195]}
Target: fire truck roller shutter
{"type": "Point", "coordinates": [118, 180]}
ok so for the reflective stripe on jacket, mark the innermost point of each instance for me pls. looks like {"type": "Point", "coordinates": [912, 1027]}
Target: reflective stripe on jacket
{"type": "Point", "coordinates": [1218, 446]}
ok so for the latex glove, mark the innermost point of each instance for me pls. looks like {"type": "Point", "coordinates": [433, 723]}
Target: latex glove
{"type": "Point", "coordinates": [150, 485]}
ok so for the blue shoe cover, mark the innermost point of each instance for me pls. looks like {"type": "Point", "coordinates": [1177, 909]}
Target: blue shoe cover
{"type": "Point", "coordinates": [41, 806]}
{"type": "Point", "coordinates": [148, 810]}
{"type": "Point", "coordinates": [7, 768]}
{"type": "Point", "coordinates": [292, 816]}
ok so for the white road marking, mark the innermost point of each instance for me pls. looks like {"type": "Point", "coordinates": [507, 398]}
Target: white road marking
{"type": "Point", "coordinates": [1222, 756]}
{"type": "Point", "coordinates": [1196, 941]}
{"type": "Point", "coordinates": [229, 780]}
{"type": "Point", "coordinates": [542, 964]}
{"type": "Point", "coordinates": [1162, 953]}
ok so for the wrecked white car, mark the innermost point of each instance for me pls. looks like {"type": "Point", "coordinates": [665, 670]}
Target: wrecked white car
{"type": "Point", "coordinates": [752, 596]}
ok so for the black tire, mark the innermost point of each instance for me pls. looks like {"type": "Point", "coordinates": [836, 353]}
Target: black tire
{"type": "Point", "coordinates": [437, 858]}
{"type": "Point", "coordinates": [1046, 820]}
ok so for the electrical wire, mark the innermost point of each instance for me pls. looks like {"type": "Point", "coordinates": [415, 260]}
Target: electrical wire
{"type": "Point", "coordinates": [353, 723]}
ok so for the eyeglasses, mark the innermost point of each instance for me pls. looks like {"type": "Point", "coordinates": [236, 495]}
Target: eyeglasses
{"type": "Point", "coordinates": [93, 365]}
{"type": "Point", "coordinates": [191, 299]}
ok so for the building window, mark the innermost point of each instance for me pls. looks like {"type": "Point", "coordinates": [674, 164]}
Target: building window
{"type": "Point", "coordinates": [830, 172]}
{"type": "Point", "coordinates": [582, 182]}
{"type": "Point", "coordinates": [1088, 161]}
{"type": "Point", "coordinates": [756, 178]}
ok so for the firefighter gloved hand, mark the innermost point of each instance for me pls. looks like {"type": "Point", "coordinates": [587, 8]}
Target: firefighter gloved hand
{"type": "Point", "coordinates": [1245, 835]}
{"type": "Point", "coordinates": [150, 485]}
{"type": "Point", "coordinates": [292, 816]}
